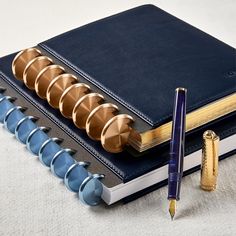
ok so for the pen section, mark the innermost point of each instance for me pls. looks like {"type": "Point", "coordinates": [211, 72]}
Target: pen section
{"type": "Point", "coordinates": [88, 110]}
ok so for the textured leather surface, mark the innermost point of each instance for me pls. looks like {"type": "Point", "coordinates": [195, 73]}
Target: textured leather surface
{"type": "Point", "coordinates": [139, 124]}
{"type": "Point", "coordinates": [140, 56]}
{"type": "Point", "coordinates": [124, 165]}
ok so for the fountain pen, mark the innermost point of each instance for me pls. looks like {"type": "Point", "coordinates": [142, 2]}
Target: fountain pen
{"type": "Point", "coordinates": [177, 149]}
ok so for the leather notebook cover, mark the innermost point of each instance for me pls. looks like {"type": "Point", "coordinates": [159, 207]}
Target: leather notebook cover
{"type": "Point", "coordinates": [139, 57]}
{"type": "Point", "coordinates": [96, 54]}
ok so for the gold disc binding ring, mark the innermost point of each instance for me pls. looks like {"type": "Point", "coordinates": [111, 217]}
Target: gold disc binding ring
{"type": "Point", "coordinates": [22, 59]}
{"type": "Point", "coordinates": [45, 77]}
{"type": "Point", "coordinates": [83, 108]}
{"type": "Point", "coordinates": [70, 96]}
{"type": "Point", "coordinates": [116, 132]}
{"type": "Point", "coordinates": [98, 118]}
{"type": "Point", "coordinates": [33, 68]}
{"type": "Point", "coordinates": [58, 86]}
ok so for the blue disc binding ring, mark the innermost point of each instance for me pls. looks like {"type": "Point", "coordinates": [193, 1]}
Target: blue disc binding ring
{"type": "Point", "coordinates": [90, 192]}
{"type": "Point", "coordinates": [5, 105]}
{"type": "Point", "coordinates": [75, 175]}
{"type": "Point", "coordinates": [24, 127]}
{"type": "Point", "coordinates": [12, 117]}
{"type": "Point", "coordinates": [36, 138]}
{"type": "Point", "coordinates": [48, 150]}
{"type": "Point", "coordinates": [61, 162]}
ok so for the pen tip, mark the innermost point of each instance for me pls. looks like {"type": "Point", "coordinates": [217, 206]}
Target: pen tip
{"type": "Point", "coordinates": [172, 208]}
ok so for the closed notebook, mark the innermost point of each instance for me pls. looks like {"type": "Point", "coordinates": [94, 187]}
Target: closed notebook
{"type": "Point", "coordinates": [136, 60]}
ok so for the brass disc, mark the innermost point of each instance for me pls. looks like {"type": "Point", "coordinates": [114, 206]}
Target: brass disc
{"type": "Point", "coordinates": [115, 133]}
{"type": "Point", "coordinates": [22, 59]}
{"type": "Point", "coordinates": [58, 86]}
{"type": "Point", "coordinates": [33, 68]}
{"type": "Point", "coordinates": [45, 77]}
{"type": "Point", "coordinates": [70, 96]}
{"type": "Point", "coordinates": [98, 118]}
{"type": "Point", "coordinates": [83, 108]}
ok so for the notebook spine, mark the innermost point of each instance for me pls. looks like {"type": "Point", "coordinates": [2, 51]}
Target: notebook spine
{"type": "Point", "coordinates": [88, 110]}
{"type": "Point", "coordinates": [76, 176]}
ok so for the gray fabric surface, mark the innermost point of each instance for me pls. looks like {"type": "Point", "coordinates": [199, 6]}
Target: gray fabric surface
{"type": "Point", "coordinates": [34, 202]}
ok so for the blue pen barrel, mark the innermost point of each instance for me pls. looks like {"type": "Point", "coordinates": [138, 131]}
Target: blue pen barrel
{"type": "Point", "coordinates": [177, 145]}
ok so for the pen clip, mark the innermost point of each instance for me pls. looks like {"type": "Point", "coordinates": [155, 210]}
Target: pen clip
{"type": "Point", "coordinates": [215, 150]}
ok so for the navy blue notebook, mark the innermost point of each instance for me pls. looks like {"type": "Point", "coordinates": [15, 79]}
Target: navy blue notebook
{"type": "Point", "coordinates": [136, 59]}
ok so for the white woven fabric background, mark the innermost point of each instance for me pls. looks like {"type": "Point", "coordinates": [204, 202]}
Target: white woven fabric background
{"type": "Point", "coordinates": [34, 202]}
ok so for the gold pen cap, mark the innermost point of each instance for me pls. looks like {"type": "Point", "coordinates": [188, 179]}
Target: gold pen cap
{"type": "Point", "coordinates": [210, 159]}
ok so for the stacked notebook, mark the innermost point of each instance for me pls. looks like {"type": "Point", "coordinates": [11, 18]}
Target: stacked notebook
{"type": "Point", "coordinates": [124, 70]}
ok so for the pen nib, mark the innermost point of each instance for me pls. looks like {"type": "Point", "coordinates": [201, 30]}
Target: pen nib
{"type": "Point", "coordinates": [172, 208]}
